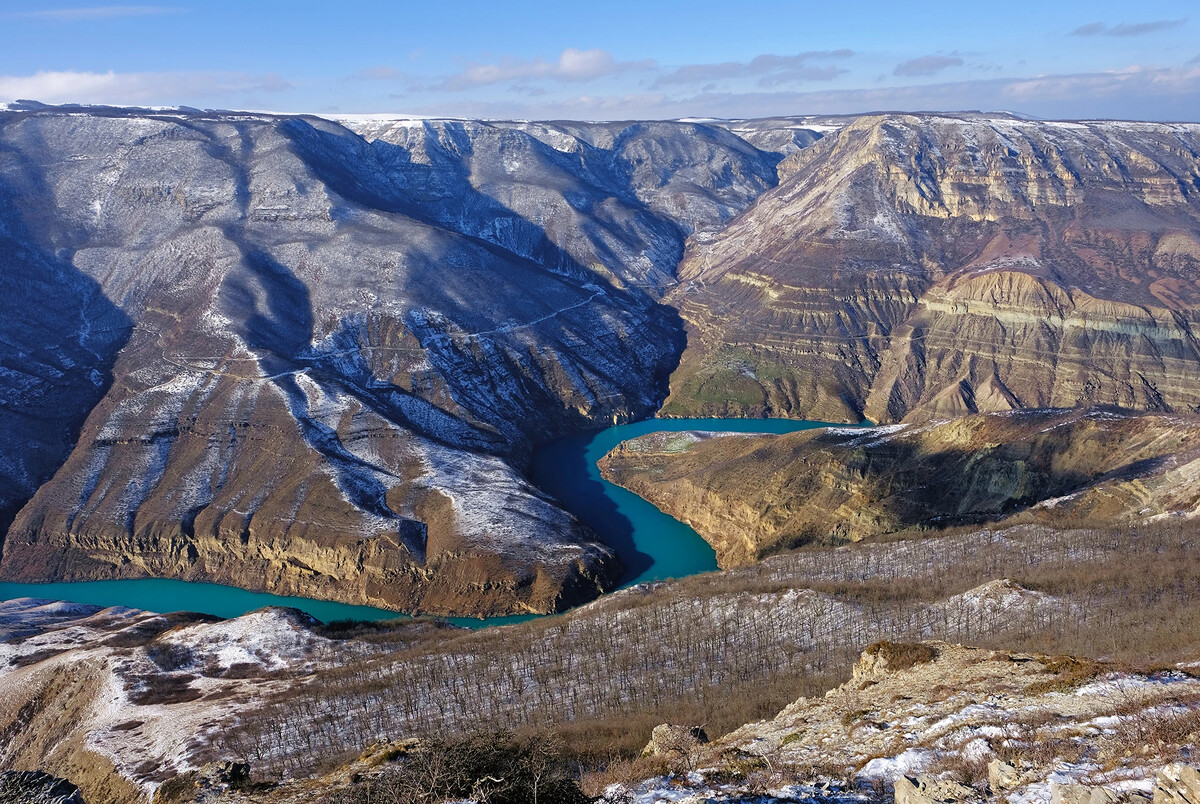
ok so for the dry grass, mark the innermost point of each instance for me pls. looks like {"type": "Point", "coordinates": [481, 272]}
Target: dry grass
{"type": "Point", "coordinates": [620, 769]}
{"type": "Point", "coordinates": [1164, 729]}
{"type": "Point", "coordinates": [1070, 672]}
{"type": "Point", "coordinates": [724, 649]}
{"type": "Point", "coordinates": [972, 772]}
{"type": "Point", "coordinates": [1036, 740]}
{"type": "Point", "coordinates": [157, 688]}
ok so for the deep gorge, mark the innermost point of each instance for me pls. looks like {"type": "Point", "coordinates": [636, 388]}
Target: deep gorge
{"type": "Point", "coordinates": [314, 358]}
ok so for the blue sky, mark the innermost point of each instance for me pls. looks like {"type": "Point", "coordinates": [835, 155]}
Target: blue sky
{"type": "Point", "coordinates": [611, 60]}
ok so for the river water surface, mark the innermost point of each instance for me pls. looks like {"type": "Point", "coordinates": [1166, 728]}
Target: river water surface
{"type": "Point", "coordinates": [652, 545]}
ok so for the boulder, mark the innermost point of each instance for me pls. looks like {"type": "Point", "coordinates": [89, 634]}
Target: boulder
{"type": "Point", "coordinates": [1003, 776]}
{"type": "Point", "coordinates": [1082, 794]}
{"type": "Point", "coordinates": [36, 787]}
{"type": "Point", "coordinates": [1177, 784]}
{"type": "Point", "coordinates": [923, 790]}
{"type": "Point", "coordinates": [669, 740]}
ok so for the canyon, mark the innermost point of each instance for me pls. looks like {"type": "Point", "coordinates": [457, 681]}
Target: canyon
{"type": "Point", "coordinates": [313, 357]}
{"type": "Point", "coordinates": [270, 352]}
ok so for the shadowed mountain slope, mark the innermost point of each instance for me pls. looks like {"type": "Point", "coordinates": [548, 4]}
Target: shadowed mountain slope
{"type": "Point", "coordinates": [315, 364]}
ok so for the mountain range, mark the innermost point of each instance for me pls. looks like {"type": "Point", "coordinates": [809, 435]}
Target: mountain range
{"type": "Point", "coordinates": [315, 356]}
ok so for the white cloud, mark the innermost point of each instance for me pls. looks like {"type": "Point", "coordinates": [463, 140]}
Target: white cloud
{"type": "Point", "coordinates": [1127, 29]}
{"type": "Point", "coordinates": [769, 68]}
{"type": "Point", "coordinates": [132, 88]}
{"type": "Point", "coordinates": [1133, 93]}
{"type": "Point", "coordinates": [1132, 80]}
{"type": "Point", "coordinates": [571, 65]}
{"type": "Point", "coordinates": [926, 65]}
{"type": "Point", "coordinates": [94, 13]}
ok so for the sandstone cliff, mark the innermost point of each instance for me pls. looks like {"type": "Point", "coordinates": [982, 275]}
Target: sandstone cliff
{"type": "Point", "coordinates": [911, 266]}
{"type": "Point", "coordinates": [753, 495]}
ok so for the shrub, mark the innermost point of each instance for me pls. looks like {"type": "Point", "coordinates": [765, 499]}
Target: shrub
{"type": "Point", "coordinates": [902, 655]}
{"type": "Point", "coordinates": [1069, 672]}
{"type": "Point", "coordinates": [488, 767]}
{"type": "Point", "coordinates": [243, 670]}
{"type": "Point", "coordinates": [957, 767]}
{"type": "Point", "coordinates": [160, 689]}
{"type": "Point", "coordinates": [1165, 730]}
{"type": "Point", "coordinates": [621, 770]}
{"type": "Point", "coordinates": [169, 656]}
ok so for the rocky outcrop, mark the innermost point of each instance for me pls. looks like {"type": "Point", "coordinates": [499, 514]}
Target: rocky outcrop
{"type": "Point", "coordinates": [672, 741]}
{"type": "Point", "coordinates": [885, 658]}
{"type": "Point", "coordinates": [271, 352]}
{"type": "Point", "coordinates": [1003, 776]}
{"type": "Point", "coordinates": [911, 266]}
{"type": "Point", "coordinates": [1083, 794]}
{"type": "Point", "coordinates": [930, 731]}
{"type": "Point", "coordinates": [752, 495]}
{"type": "Point", "coordinates": [1177, 784]}
{"type": "Point", "coordinates": [35, 787]}
{"type": "Point", "coordinates": [923, 790]}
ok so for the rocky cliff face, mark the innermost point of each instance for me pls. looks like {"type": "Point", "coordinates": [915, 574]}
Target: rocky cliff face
{"type": "Point", "coordinates": [33, 787]}
{"type": "Point", "coordinates": [910, 266]}
{"type": "Point", "coordinates": [612, 197]}
{"type": "Point", "coordinates": [750, 496]}
{"type": "Point", "coordinates": [269, 352]}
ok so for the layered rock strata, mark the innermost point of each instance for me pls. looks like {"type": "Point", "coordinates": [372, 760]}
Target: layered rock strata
{"type": "Point", "coordinates": [313, 357]}
{"type": "Point", "coordinates": [914, 266]}
{"type": "Point", "coordinates": [753, 495]}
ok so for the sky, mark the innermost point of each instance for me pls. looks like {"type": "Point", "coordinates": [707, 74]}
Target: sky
{"type": "Point", "coordinates": [612, 60]}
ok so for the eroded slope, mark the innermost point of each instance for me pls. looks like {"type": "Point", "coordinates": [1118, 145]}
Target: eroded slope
{"type": "Point", "coordinates": [151, 696]}
{"type": "Point", "coordinates": [924, 265]}
{"type": "Point", "coordinates": [752, 495]}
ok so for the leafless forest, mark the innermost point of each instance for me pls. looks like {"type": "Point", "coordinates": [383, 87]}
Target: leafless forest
{"type": "Point", "coordinates": [727, 648]}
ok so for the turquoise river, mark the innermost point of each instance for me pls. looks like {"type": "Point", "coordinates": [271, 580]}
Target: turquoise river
{"type": "Point", "coordinates": [652, 545]}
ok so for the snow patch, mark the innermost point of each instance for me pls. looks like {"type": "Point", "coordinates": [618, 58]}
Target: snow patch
{"type": "Point", "coordinates": [908, 763]}
{"type": "Point", "coordinates": [272, 638]}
